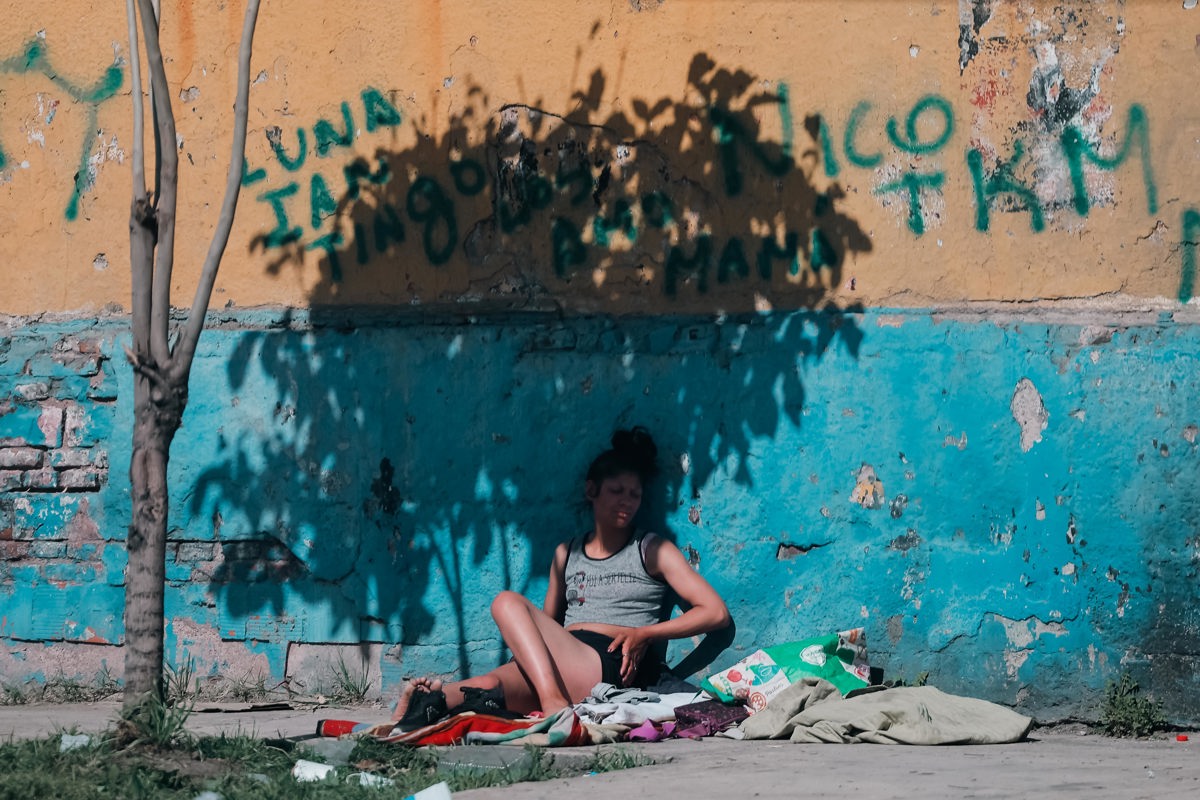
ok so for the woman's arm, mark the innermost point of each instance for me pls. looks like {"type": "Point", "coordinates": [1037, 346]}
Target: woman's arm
{"type": "Point", "coordinates": [555, 604]}
{"type": "Point", "coordinates": [706, 610]}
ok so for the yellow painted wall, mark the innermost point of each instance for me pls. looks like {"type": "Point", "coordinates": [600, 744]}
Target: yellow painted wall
{"type": "Point", "coordinates": [667, 97]}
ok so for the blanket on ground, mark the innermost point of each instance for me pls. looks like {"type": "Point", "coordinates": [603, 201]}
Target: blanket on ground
{"type": "Point", "coordinates": [812, 710]}
{"type": "Point", "coordinates": [563, 729]}
{"type": "Point", "coordinates": [609, 714]}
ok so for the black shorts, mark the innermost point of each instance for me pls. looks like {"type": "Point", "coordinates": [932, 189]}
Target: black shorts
{"type": "Point", "coordinates": [610, 663]}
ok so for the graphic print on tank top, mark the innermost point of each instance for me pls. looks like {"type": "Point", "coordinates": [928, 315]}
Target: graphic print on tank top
{"type": "Point", "coordinates": [576, 584]}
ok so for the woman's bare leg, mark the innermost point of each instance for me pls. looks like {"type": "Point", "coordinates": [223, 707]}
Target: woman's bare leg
{"type": "Point", "coordinates": [559, 668]}
{"type": "Point", "coordinates": [551, 669]}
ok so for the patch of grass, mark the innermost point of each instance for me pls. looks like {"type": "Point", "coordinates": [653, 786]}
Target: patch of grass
{"type": "Point", "coordinates": [241, 767]}
{"type": "Point", "coordinates": [538, 765]}
{"type": "Point", "coordinates": [1126, 713]}
{"type": "Point", "coordinates": [37, 768]}
{"type": "Point", "coordinates": [350, 685]}
{"type": "Point", "coordinates": [181, 686]}
{"type": "Point", "coordinates": [13, 695]}
{"type": "Point", "coordinates": [617, 759]}
{"type": "Point", "coordinates": [247, 689]}
{"type": "Point", "coordinates": [155, 722]}
{"type": "Point", "coordinates": [241, 750]}
{"type": "Point", "coordinates": [162, 763]}
{"type": "Point", "coordinates": [410, 767]}
{"type": "Point", "coordinates": [61, 688]}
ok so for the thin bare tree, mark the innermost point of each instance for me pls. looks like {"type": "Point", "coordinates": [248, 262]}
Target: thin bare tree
{"type": "Point", "coordinates": [162, 358]}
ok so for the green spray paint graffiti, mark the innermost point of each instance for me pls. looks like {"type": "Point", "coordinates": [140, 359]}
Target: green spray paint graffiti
{"type": "Point", "coordinates": [550, 184]}
{"type": "Point", "coordinates": [328, 136]}
{"type": "Point", "coordinates": [521, 193]}
{"type": "Point", "coordinates": [731, 133]}
{"type": "Point", "coordinates": [34, 60]}
{"type": "Point", "coordinates": [910, 141]}
{"type": "Point", "coordinates": [1002, 182]}
{"type": "Point", "coordinates": [1077, 148]}
{"type": "Point", "coordinates": [1190, 241]}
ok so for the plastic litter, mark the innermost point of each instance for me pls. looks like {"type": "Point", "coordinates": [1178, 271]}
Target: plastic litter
{"type": "Point", "coordinates": [369, 779]}
{"type": "Point", "coordinates": [340, 727]}
{"type": "Point", "coordinates": [439, 791]}
{"type": "Point", "coordinates": [73, 741]}
{"type": "Point", "coordinates": [308, 771]}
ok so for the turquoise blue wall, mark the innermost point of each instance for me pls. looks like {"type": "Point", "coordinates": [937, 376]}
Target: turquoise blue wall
{"type": "Point", "coordinates": [380, 482]}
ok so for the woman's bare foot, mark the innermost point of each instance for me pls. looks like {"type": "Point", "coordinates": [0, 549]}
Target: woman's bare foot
{"type": "Point", "coordinates": [411, 688]}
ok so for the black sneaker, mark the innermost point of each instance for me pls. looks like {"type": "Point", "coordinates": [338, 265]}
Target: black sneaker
{"type": "Point", "coordinates": [484, 701]}
{"type": "Point", "coordinates": [425, 708]}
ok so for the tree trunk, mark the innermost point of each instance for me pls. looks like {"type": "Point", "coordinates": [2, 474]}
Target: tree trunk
{"type": "Point", "coordinates": [158, 412]}
{"type": "Point", "coordinates": [161, 371]}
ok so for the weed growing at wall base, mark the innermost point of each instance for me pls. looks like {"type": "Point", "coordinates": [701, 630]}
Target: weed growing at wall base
{"type": "Point", "coordinates": [1127, 713]}
{"type": "Point", "coordinates": [350, 685]}
{"type": "Point", "coordinates": [60, 688]}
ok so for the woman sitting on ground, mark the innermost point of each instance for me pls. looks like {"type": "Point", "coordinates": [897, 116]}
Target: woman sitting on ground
{"type": "Point", "coordinates": [603, 607]}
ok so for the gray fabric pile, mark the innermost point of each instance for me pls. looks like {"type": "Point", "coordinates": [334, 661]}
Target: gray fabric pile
{"type": "Point", "coordinates": [812, 710]}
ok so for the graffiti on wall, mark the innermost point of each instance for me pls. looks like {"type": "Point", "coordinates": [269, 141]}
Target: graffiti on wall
{"type": "Point", "coordinates": [998, 187]}
{"type": "Point", "coordinates": [34, 60]}
{"type": "Point", "coordinates": [704, 190]}
{"type": "Point", "coordinates": [328, 138]}
{"type": "Point", "coordinates": [646, 193]}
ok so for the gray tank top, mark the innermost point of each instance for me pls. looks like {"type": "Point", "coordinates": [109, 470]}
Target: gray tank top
{"type": "Point", "coordinates": [616, 590]}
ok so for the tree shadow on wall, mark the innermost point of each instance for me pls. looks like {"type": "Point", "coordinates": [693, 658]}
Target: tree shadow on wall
{"type": "Point", "coordinates": [492, 301]}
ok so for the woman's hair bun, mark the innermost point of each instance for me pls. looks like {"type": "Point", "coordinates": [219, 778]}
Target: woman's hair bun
{"type": "Point", "coordinates": [633, 450]}
{"type": "Point", "coordinates": [636, 441]}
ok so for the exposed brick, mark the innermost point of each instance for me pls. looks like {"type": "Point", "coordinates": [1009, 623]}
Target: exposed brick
{"type": "Point", "coordinates": [44, 478]}
{"type": "Point", "coordinates": [20, 458]}
{"type": "Point", "coordinates": [37, 390]}
{"type": "Point", "coordinates": [14, 550]}
{"type": "Point", "coordinates": [84, 366]}
{"type": "Point", "coordinates": [11, 480]}
{"type": "Point", "coordinates": [76, 424]}
{"type": "Point", "coordinates": [101, 389]}
{"type": "Point", "coordinates": [74, 344]}
{"type": "Point", "coordinates": [65, 458]}
{"type": "Point", "coordinates": [190, 552]}
{"type": "Point", "coordinates": [50, 424]}
{"type": "Point", "coordinates": [86, 478]}
{"type": "Point", "coordinates": [48, 548]}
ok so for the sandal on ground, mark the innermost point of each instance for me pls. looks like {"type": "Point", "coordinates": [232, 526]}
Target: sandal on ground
{"type": "Point", "coordinates": [425, 708]}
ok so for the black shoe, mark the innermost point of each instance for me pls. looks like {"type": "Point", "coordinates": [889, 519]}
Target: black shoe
{"type": "Point", "coordinates": [425, 708]}
{"type": "Point", "coordinates": [484, 701]}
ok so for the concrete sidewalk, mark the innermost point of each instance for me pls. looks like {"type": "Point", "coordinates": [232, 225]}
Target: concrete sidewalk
{"type": "Point", "coordinates": [1054, 763]}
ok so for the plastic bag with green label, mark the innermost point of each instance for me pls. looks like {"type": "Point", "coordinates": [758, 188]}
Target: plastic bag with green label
{"type": "Point", "coordinates": [840, 658]}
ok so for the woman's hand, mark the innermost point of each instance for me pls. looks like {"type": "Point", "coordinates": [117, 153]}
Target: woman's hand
{"type": "Point", "coordinates": [632, 644]}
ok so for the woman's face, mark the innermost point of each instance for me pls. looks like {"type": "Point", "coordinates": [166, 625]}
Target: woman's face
{"type": "Point", "coordinates": [615, 501]}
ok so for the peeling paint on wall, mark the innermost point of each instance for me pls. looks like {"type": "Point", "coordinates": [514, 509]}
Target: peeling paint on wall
{"type": "Point", "coordinates": [868, 489]}
{"type": "Point", "coordinates": [1029, 412]}
{"type": "Point", "coordinates": [972, 15]}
